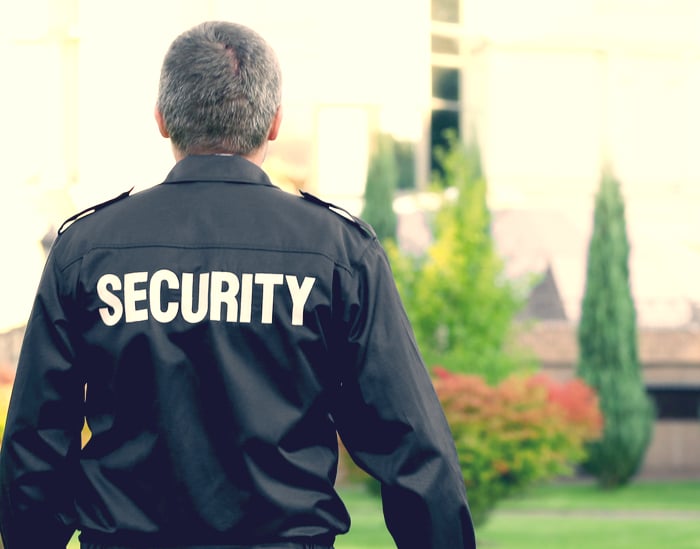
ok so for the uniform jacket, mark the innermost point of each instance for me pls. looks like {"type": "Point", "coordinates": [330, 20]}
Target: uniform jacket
{"type": "Point", "coordinates": [217, 332]}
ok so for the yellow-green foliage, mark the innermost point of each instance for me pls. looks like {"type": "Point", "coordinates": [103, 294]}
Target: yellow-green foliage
{"type": "Point", "coordinates": [461, 305]}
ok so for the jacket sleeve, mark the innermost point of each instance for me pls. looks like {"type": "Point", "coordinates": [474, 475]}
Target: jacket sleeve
{"type": "Point", "coordinates": [390, 419]}
{"type": "Point", "coordinates": [41, 442]}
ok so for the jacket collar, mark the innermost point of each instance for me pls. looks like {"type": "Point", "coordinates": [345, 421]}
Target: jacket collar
{"type": "Point", "coordinates": [214, 167]}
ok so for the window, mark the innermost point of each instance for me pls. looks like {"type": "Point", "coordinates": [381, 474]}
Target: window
{"type": "Point", "coordinates": [446, 83]}
{"type": "Point", "coordinates": [440, 122]}
{"type": "Point", "coordinates": [444, 44]}
{"type": "Point", "coordinates": [445, 11]}
{"type": "Point", "coordinates": [446, 69]}
{"type": "Point", "coordinates": [676, 402]}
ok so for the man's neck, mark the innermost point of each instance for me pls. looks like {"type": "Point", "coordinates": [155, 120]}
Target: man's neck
{"type": "Point", "coordinates": [256, 157]}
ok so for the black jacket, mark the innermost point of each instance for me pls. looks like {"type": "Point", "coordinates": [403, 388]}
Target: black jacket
{"type": "Point", "coordinates": [216, 332]}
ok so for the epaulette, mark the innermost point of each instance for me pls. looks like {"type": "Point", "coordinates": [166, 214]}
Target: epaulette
{"type": "Point", "coordinates": [92, 209]}
{"type": "Point", "coordinates": [359, 223]}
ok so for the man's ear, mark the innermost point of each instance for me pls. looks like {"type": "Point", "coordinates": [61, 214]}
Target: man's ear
{"type": "Point", "coordinates": [161, 123]}
{"type": "Point", "coordinates": [275, 126]}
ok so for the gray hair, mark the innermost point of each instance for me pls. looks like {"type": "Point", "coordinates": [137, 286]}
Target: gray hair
{"type": "Point", "coordinates": [220, 87]}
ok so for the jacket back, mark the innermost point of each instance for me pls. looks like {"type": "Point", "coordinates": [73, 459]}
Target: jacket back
{"type": "Point", "coordinates": [216, 332]}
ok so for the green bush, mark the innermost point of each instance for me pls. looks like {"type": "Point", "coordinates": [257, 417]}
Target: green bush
{"type": "Point", "coordinates": [520, 432]}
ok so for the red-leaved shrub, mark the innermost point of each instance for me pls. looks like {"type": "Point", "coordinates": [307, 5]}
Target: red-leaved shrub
{"type": "Point", "coordinates": [514, 434]}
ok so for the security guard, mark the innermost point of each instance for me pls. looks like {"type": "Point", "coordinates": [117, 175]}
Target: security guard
{"type": "Point", "coordinates": [217, 332]}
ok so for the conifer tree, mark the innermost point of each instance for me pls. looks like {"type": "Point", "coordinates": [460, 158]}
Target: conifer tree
{"type": "Point", "coordinates": [607, 335]}
{"type": "Point", "coordinates": [382, 178]}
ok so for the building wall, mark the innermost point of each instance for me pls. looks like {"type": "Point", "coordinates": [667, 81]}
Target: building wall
{"type": "Point", "coordinates": [674, 450]}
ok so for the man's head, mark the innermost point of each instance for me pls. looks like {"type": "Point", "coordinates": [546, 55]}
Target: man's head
{"type": "Point", "coordinates": [220, 91]}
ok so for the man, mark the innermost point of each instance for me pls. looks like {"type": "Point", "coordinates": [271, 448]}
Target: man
{"type": "Point", "coordinates": [215, 332]}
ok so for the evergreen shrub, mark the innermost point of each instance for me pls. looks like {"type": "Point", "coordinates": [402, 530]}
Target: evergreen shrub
{"type": "Point", "coordinates": [608, 354]}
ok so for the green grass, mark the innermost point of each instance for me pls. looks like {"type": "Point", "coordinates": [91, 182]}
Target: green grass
{"type": "Point", "coordinates": [506, 531]}
{"type": "Point", "coordinates": [649, 495]}
{"type": "Point", "coordinates": [644, 515]}
{"type": "Point", "coordinates": [367, 530]}
{"type": "Point", "coordinates": [569, 515]}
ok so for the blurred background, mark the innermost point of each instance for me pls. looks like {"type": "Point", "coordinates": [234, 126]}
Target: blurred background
{"type": "Point", "coordinates": [552, 91]}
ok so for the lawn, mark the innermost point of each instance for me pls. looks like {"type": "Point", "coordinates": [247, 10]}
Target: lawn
{"type": "Point", "coordinates": [650, 495]}
{"type": "Point", "coordinates": [644, 515]}
{"type": "Point", "coordinates": [572, 515]}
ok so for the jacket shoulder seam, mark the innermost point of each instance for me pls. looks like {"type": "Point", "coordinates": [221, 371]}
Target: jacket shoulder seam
{"type": "Point", "coordinates": [92, 209]}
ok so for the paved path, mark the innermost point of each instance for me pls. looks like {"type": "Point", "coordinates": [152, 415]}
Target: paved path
{"type": "Point", "coordinates": [641, 514]}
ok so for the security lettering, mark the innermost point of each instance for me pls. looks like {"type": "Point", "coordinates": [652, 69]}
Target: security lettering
{"type": "Point", "coordinates": [218, 296]}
